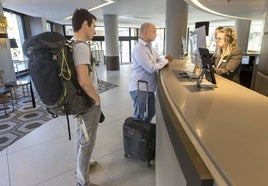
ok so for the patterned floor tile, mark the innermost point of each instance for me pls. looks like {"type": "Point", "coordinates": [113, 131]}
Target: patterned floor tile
{"type": "Point", "coordinates": [25, 118]}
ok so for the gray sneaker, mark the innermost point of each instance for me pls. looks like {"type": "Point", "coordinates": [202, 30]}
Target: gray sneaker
{"type": "Point", "coordinates": [92, 184]}
{"type": "Point", "coordinates": [93, 163]}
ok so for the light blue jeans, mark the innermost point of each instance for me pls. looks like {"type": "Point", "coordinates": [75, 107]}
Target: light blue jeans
{"type": "Point", "coordinates": [85, 142]}
{"type": "Point", "coordinates": [139, 105]}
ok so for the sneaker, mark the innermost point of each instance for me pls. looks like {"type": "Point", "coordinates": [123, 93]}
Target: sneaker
{"type": "Point", "coordinates": [92, 184]}
{"type": "Point", "coordinates": [93, 163]}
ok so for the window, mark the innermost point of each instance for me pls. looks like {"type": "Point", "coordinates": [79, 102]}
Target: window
{"type": "Point", "coordinates": [15, 31]}
{"type": "Point", "coordinates": [254, 40]}
{"type": "Point", "coordinates": [49, 26]}
{"type": "Point", "coordinates": [159, 41]}
{"type": "Point", "coordinates": [134, 32]}
{"type": "Point", "coordinates": [123, 32]}
{"type": "Point", "coordinates": [100, 31]}
{"type": "Point", "coordinates": [127, 40]}
{"type": "Point", "coordinates": [255, 36]}
{"type": "Point", "coordinates": [68, 30]}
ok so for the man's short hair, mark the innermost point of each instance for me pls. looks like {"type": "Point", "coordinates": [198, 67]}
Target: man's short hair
{"type": "Point", "coordinates": [79, 16]}
{"type": "Point", "coordinates": [144, 27]}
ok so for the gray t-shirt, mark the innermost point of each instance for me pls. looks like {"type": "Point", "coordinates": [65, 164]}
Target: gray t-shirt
{"type": "Point", "coordinates": [82, 55]}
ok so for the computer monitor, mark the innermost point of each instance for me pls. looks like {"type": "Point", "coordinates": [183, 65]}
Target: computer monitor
{"type": "Point", "coordinates": [203, 23]}
{"type": "Point", "coordinates": [245, 60]}
{"type": "Point", "coordinates": [207, 68]}
{"type": "Point", "coordinates": [197, 39]}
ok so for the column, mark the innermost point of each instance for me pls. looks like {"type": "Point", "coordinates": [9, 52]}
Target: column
{"type": "Point", "coordinates": [6, 62]}
{"type": "Point", "coordinates": [260, 80]}
{"type": "Point", "coordinates": [111, 42]}
{"type": "Point", "coordinates": [242, 30]}
{"type": "Point", "coordinates": [176, 26]}
{"type": "Point", "coordinates": [34, 25]}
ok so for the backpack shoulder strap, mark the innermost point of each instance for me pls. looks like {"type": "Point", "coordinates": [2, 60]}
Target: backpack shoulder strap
{"type": "Point", "coordinates": [72, 42]}
{"type": "Point", "coordinates": [69, 46]}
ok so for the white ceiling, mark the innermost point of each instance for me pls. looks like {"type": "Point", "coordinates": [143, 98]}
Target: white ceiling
{"type": "Point", "coordinates": [133, 12]}
{"type": "Point", "coordinates": [251, 9]}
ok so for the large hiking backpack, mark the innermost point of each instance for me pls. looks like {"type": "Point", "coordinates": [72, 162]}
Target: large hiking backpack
{"type": "Point", "coordinates": [52, 70]}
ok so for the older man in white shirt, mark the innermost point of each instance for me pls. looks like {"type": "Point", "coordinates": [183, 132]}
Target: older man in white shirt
{"type": "Point", "coordinates": [146, 62]}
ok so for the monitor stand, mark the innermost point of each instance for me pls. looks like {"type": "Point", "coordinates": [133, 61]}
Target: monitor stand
{"type": "Point", "coordinates": [194, 74]}
{"type": "Point", "coordinates": [199, 80]}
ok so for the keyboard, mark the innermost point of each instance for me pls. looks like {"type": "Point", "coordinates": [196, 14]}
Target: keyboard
{"type": "Point", "coordinates": [189, 75]}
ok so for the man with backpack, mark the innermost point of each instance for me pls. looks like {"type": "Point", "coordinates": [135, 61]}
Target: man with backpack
{"type": "Point", "coordinates": [83, 23]}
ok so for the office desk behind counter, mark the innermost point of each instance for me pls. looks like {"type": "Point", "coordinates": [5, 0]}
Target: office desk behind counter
{"type": "Point", "coordinates": [209, 136]}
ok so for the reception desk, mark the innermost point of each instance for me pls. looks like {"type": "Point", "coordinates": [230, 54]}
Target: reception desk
{"type": "Point", "coordinates": [215, 135]}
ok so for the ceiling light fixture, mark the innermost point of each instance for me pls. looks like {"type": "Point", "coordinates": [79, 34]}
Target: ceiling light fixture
{"type": "Point", "coordinates": [102, 5]}
{"type": "Point", "coordinates": [201, 6]}
{"type": "Point", "coordinates": [107, 2]}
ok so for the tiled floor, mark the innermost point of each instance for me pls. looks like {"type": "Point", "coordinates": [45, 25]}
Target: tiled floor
{"type": "Point", "coordinates": [45, 157]}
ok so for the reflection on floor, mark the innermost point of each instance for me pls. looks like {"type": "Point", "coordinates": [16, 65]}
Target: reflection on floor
{"type": "Point", "coordinates": [45, 157]}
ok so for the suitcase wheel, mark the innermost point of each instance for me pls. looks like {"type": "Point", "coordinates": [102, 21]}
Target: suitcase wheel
{"type": "Point", "coordinates": [149, 165]}
{"type": "Point", "coordinates": [126, 155]}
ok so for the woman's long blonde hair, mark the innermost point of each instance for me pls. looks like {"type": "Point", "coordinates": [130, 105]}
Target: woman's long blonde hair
{"type": "Point", "coordinates": [230, 42]}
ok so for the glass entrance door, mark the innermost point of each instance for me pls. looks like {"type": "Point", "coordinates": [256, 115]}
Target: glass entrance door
{"type": "Point", "coordinates": [124, 52]}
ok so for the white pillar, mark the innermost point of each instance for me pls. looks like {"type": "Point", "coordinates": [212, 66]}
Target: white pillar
{"type": "Point", "coordinates": [242, 30]}
{"type": "Point", "coordinates": [111, 42]}
{"type": "Point", "coordinates": [260, 80]}
{"type": "Point", "coordinates": [176, 26]}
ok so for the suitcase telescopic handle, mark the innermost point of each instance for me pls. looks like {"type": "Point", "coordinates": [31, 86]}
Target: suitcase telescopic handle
{"type": "Point", "coordinates": [147, 96]}
{"type": "Point", "coordinates": [144, 82]}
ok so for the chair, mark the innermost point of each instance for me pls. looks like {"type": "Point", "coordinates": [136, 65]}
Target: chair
{"type": "Point", "coordinates": [6, 95]}
{"type": "Point", "coordinates": [1, 78]}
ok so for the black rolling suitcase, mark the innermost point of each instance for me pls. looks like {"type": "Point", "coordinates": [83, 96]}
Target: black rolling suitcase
{"type": "Point", "coordinates": [139, 136]}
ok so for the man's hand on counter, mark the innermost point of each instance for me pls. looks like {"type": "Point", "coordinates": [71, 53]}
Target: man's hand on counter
{"type": "Point", "coordinates": [169, 58]}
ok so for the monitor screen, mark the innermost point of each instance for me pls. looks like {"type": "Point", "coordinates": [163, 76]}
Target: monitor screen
{"type": "Point", "coordinates": [207, 68]}
{"type": "Point", "coordinates": [245, 60]}
{"type": "Point", "coordinates": [197, 40]}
